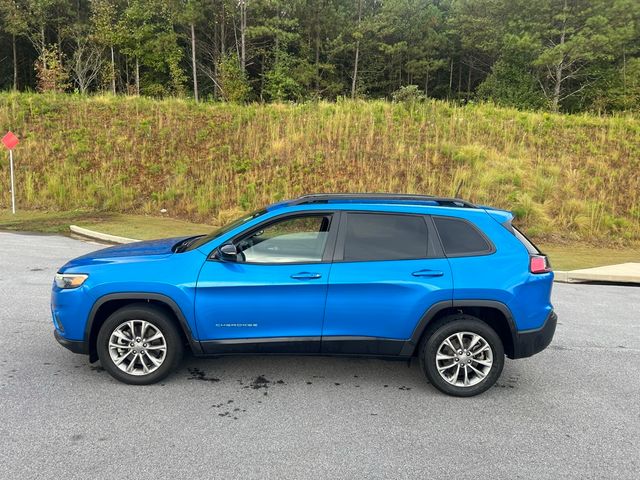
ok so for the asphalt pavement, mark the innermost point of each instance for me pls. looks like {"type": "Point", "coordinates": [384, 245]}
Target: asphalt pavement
{"type": "Point", "coordinates": [573, 411]}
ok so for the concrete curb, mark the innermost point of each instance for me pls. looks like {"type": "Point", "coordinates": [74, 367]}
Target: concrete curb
{"type": "Point", "coordinates": [561, 276]}
{"type": "Point", "coordinates": [104, 237]}
{"type": "Point", "coordinates": [621, 273]}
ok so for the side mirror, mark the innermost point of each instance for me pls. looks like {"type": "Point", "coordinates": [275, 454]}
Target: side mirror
{"type": "Point", "coordinates": [227, 252]}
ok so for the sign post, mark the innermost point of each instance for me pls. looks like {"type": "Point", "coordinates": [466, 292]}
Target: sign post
{"type": "Point", "coordinates": [10, 141]}
{"type": "Point", "coordinates": [13, 190]}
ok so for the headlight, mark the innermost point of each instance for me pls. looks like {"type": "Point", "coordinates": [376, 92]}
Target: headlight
{"type": "Point", "coordinates": [70, 280]}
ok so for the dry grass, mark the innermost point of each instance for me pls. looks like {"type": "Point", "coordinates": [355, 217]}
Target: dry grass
{"type": "Point", "coordinates": [567, 177]}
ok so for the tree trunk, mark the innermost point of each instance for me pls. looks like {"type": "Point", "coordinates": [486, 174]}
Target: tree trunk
{"type": "Point", "coordinates": [59, 43]}
{"type": "Point", "coordinates": [137, 77]}
{"type": "Point", "coordinates": [193, 62]}
{"type": "Point", "coordinates": [317, 60]}
{"type": "Point", "coordinates": [222, 33]}
{"type": "Point", "coordinates": [469, 79]}
{"type": "Point", "coordinates": [15, 63]}
{"type": "Point", "coordinates": [354, 80]}
{"type": "Point", "coordinates": [450, 79]}
{"type": "Point", "coordinates": [43, 47]}
{"type": "Point", "coordinates": [426, 84]}
{"type": "Point", "coordinates": [262, 77]}
{"type": "Point", "coordinates": [557, 84]}
{"type": "Point", "coordinates": [555, 101]}
{"type": "Point", "coordinates": [126, 74]}
{"type": "Point", "coordinates": [243, 28]}
{"type": "Point", "coordinates": [624, 71]}
{"type": "Point", "coordinates": [355, 70]}
{"type": "Point", "coordinates": [113, 71]}
{"type": "Point", "coordinates": [317, 46]}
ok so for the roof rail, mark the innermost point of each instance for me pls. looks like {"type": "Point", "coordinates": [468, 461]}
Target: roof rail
{"type": "Point", "coordinates": [383, 197]}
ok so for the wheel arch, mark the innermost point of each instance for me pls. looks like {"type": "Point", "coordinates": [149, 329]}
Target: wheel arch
{"type": "Point", "coordinates": [107, 304]}
{"type": "Point", "coordinates": [495, 314]}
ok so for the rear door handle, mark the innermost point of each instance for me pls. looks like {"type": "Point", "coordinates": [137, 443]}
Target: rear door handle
{"type": "Point", "coordinates": [428, 273]}
{"type": "Point", "coordinates": [305, 276]}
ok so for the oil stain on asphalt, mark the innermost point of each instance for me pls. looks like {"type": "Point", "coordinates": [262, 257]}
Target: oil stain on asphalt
{"type": "Point", "coordinates": [197, 374]}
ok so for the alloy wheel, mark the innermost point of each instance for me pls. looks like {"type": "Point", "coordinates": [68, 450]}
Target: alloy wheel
{"type": "Point", "coordinates": [137, 347]}
{"type": "Point", "coordinates": [464, 359]}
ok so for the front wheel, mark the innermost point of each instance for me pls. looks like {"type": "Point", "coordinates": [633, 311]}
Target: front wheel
{"type": "Point", "coordinates": [139, 344]}
{"type": "Point", "coordinates": [463, 356]}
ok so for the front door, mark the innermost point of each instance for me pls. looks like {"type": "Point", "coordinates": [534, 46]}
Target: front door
{"type": "Point", "coordinates": [271, 295]}
{"type": "Point", "coordinates": [389, 269]}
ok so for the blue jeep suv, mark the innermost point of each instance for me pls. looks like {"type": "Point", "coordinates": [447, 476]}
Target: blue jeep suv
{"type": "Point", "coordinates": [380, 275]}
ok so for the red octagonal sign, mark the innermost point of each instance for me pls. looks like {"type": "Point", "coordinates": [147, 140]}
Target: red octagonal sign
{"type": "Point", "coordinates": [10, 140]}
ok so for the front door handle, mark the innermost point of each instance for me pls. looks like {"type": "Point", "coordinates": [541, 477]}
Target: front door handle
{"type": "Point", "coordinates": [305, 276]}
{"type": "Point", "coordinates": [428, 273]}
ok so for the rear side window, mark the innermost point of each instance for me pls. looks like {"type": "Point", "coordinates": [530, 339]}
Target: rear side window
{"type": "Point", "coordinates": [372, 236]}
{"type": "Point", "coordinates": [460, 237]}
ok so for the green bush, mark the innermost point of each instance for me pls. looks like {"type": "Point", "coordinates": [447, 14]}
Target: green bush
{"type": "Point", "coordinates": [408, 94]}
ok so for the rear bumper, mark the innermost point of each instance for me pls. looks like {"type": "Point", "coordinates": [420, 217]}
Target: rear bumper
{"type": "Point", "coordinates": [76, 346]}
{"type": "Point", "coordinates": [530, 342]}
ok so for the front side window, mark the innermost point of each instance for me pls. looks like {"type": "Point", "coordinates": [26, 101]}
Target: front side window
{"type": "Point", "coordinates": [292, 240]}
{"type": "Point", "coordinates": [373, 237]}
{"type": "Point", "coordinates": [460, 238]}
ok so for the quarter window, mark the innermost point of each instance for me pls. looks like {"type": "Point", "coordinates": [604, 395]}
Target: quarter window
{"type": "Point", "coordinates": [459, 237]}
{"type": "Point", "coordinates": [292, 240]}
{"type": "Point", "coordinates": [385, 237]}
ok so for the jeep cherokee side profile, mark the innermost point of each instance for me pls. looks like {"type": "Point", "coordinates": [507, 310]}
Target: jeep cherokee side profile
{"type": "Point", "coordinates": [380, 275]}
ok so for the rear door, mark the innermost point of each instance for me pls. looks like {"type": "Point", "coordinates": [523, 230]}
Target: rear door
{"type": "Point", "coordinates": [388, 270]}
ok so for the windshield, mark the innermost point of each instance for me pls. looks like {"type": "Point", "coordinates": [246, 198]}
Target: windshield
{"type": "Point", "coordinates": [222, 230]}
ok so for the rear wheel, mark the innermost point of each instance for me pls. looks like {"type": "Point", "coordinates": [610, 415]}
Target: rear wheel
{"type": "Point", "coordinates": [139, 344]}
{"type": "Point", "coordinates": [463, 356]}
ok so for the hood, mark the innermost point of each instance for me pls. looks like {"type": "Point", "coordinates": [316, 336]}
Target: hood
{"type": "Point", "coordinates": [136, 249]}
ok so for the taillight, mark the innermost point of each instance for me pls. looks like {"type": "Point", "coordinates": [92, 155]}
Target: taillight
{"type": "Point", "coordinates": [539, 264]}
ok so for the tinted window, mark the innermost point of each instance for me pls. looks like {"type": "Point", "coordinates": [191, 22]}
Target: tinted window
{"type": "Point", "coordinates": [385, 237]}
{"type": "Point", "coordinates": [459, 237]}
{"type": "Point", "coordinates": [293, 240]}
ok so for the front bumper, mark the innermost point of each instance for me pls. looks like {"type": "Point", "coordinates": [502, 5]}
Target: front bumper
{"type": "Point", "coordinates": [76, 346]}
{"type": "Point", "coordinates": [530, 342]}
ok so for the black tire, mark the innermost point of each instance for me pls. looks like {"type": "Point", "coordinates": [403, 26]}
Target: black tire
{"type": "Point", "coordinates": [451, 325]}
{"type": "Point", "coordinates": [161, 321]}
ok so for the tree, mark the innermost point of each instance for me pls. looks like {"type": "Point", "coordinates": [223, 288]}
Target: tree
{"type": "Point", "coordinates": [232, 80]}
{"type": "Point", "coordinates": [280, 81]}
{"type": "Point", "coordinates": [190, 12]}
{"type": "Point", "coordinates": [15, 24]}
{"type": "Point", "coordinates": [579, 33]}
{"type": "Point", "coordinates": [86, 60]}
{"type": "Point", "coordinates": [242, 6]}
{"type": "Point", "coordinates": [513, 81]}
{"type": "Point", "coordinates": [571, 37]}
{"type": "Point", "coordinates": [146, 33]}
{"type": "Point", "coordinates": [42, 15]}
{"type": "Point", "coordinates": [50, 72]}
{"type": "Point", "coordinates": [411, 33]}
{"type": "Point", "coordinates": [104, 21]}
{"type": "Point", "coordinates": [357, 35]}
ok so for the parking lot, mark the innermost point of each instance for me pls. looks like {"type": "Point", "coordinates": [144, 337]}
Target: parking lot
{"type": "Point", "coordinates": [572, 411]}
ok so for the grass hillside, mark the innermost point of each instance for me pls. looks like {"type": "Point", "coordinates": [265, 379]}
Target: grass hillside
{"type": "Point", "coordinates": [567, 177]}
